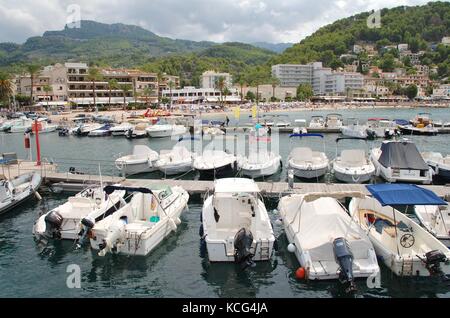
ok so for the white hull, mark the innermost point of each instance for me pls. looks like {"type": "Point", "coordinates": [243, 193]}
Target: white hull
{"type": "Point", "coordinates": [308, 173]}
{"type": "Point", "coordinates": [167, 131]}
{"type": "Point", "coordinates": [23, 187]}
{"type": "Point", "coordinates": [353, 178]}
{"type": "Point", "coordinates": [140, 236]}
{"type": "Point", "coordinates": [313, 226]}
{"type": "Point", "coordinates": [175, 168]}
{"type": "Point", "coordinates": [236, 214]}
{"type": "Point", "coordinates": [404, 175]}
{"type": "Point", "coordinates": [401, 259]}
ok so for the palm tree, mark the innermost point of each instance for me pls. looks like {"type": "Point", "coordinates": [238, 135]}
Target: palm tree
{"type": "Point", "coordinates": [242, 83]}
{"type": "Point", "coordinates": [220, 85]}
{"type": "Point", "coordinates": [6, 87]}
{"type": "Point", "coordinates": [148, 92]}
{"type": "Point", "coordinates": [171, 87]}
{"type": "Point", "coordinates": [32, 69]}
{"type": "Point", "coordinates": [275, 82]}
{"type": "Point", "coordinates": [160, 78]}
{"type": "Point", "coordinates": [47, 89]}
{"type": "Point", "coordinates": [94, 75]}
{"type": "Point", "coordinates": [125, 88]}
{"type": "Point", "coordinates": [112, 85]}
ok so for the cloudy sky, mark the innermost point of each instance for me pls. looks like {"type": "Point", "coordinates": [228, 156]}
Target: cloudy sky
{"type": "Point", "coordinates": [214, 20]}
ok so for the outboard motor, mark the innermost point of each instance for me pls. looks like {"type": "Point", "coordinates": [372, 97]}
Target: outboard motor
{"type": "Point", "coordinates": [243, 242]}
{"type": "Point", "coordinates": [53, 223]}
{"type": "Point", "coordinates": [129, 134]}
{"type": "Point", "coordinates": [344, 258]}
{"type": "Point", "coordinates": [87, 226]}
{"type": "Point", "coordinates": [371, 135]}
{"type": "Point", "coordinates": [433, 260]}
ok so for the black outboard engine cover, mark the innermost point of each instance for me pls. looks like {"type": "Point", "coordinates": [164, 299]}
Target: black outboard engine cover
{"type": "Point", "coordinates": [433, 260]}
{"type": "Point", "coordinates": [88, 225]}
{"type": "Point", "coordinates": [53, 222]}
{"type": "Point", "coordinates": [344, 258]}
{"type": "Point", "coordinates": [242, 244]}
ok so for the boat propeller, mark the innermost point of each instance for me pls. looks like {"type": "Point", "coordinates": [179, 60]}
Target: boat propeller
{"type": "Point", "coordinates": [243, 242]}
{"type": "Point", "coordinates": [344, 258]}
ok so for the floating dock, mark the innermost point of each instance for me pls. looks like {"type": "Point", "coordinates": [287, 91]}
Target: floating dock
{"type": "Point", "coordinates": [290, 130]}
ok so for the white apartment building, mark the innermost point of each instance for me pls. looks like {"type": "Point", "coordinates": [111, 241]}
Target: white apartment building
{"type": "Point", "coordinates": [322, 80]}
{"type": "Point", "coordinates": [442, 92]}
{"type": "Point", "coordinates": [210, 78]}
{"type": "Point", "coordinates": [293, 74]}
{"type": "Point", "coordinates": [190, 95]}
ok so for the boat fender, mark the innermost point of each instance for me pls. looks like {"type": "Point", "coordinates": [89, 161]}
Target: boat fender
{"type": "Point", "coordinates": [173, 225]}
{"type": "Point", "coordinates": [38, 196]}
{"type": "Point", "coordinates": [300, 274]}
{"type": "Point", "coordinates": [291, 248]}
{"type": "Point", "coordinates": [279, 222]}
{"type": "Point", "coordinates": [177, 221]}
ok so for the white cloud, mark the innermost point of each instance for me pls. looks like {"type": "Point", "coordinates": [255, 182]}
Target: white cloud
{"type": "Point", "coordinates": [214, 20]}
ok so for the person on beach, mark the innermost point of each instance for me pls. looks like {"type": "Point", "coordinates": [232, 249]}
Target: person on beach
{"type": "Point", "coordinates": [227, 121]}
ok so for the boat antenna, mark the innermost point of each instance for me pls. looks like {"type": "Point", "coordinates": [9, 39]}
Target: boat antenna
{"type": "Point", "coordinates": [100, 173]}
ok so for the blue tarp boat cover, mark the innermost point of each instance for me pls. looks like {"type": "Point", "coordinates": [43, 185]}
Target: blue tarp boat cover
{"type": "Point", "coordinates": [404, 194]}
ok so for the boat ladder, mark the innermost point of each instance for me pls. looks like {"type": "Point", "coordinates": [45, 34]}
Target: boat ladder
{"type": "Point", "coordinates": [264, 249]}
{"type": "Point", "coordinates": [407, 266]}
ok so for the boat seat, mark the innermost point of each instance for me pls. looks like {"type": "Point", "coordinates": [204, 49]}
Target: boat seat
{"type": "Point", "coordinates": [302, 154]}
{"type": "Point", "coordinates": [353, 157]}
{"type": "Point", "coordinates": [22, 187]}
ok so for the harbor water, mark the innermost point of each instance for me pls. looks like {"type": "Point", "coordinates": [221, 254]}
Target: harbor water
{"type": "Point", "coordinates": [175, 268]}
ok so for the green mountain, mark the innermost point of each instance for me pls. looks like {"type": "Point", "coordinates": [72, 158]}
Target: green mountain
{"type": "Point", "coordinates": [115, 44]}
{"type": "Point", "coordinates": [274, 47]}
{"type": "Point", "coordinates": [418, 26]}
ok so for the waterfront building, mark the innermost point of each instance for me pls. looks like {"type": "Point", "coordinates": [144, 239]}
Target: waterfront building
{"type": "Point", "coordinates": [192, 95]}
{"type": "Point", "coordinates": [322, 79]}
{"type": "Point", "coordinates": [442, 92]}
{"type": "Point", "coordinates": [210, 78]}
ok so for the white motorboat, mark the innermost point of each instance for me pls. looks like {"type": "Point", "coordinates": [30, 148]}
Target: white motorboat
{"type": "Point", "coordinates": [428, 130]}
{"type": "Point", "coordinates": [439, 163]}
{"type": "Point", "coordinates": [400, 161]}
{"type": "Point", "coordinates": [176, 161]}
{"type": "Point", "coordinates": [317, 122]}
{"type": "Point", "coordinates": [403, 245]}
{"type": "Point", "coordinates": [21, 126]}
{"type": "Point", "coordinates": [235, 224]}
{"type": "Point", "coordinates": [354, 129]}
{"type": "Point", "coordinates": [84, 129]}
{"type": "Point", "coordinates": [120, 130]}
{"type": "Point", "coordinates": [300, 126]}
{"type": "Point", "coordinates": [353, 165]}
{"type": "Point", "coordinates": [137, 132]}
{"type": "Point", "coordinates": [436, 220]}
{"type": "Point", "coordinates": [15, 191]}
{"type": "Point", "coordinates": [87, 207]}
{"type": "Point", "coordinates": [334, 121]}
{"type": "Point", "coordinates": [142, 160]}
{"type": "Point", "coordinates": [141, 225]}
{"type": "Point", "coordinates": [382, 128]}
{"type": "Point", "coordinates": [305, 162]}
{"type": "Point", "coordinates": [101, 132]}
{"type": "Point", "coordinates": [215, 163]}
{"type": "Point", "coordinates": [261, 163]}
{"type": "Point", "coordinates": [165, 130]}
{"type": "Point", "coordinates": [213, 131]}
{"type": "Point", "coordinates": [325, 240]}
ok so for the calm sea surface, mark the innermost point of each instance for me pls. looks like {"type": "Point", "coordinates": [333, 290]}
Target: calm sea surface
{"type": "Point", "coordinates": [175, 268]}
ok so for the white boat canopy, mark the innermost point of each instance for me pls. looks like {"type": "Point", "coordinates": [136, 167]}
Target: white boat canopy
{"type": "Point", "coordinates": [313, 196]}
{"type": "Point", "coordinates": [236, 185]}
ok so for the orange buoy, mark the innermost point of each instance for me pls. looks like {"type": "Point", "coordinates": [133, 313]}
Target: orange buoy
{"type": "Point", "coordinates": [300, 273]}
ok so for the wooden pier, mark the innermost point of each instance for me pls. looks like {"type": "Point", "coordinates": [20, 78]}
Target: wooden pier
{"type": "Point", "coordinates": [77, 182]}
